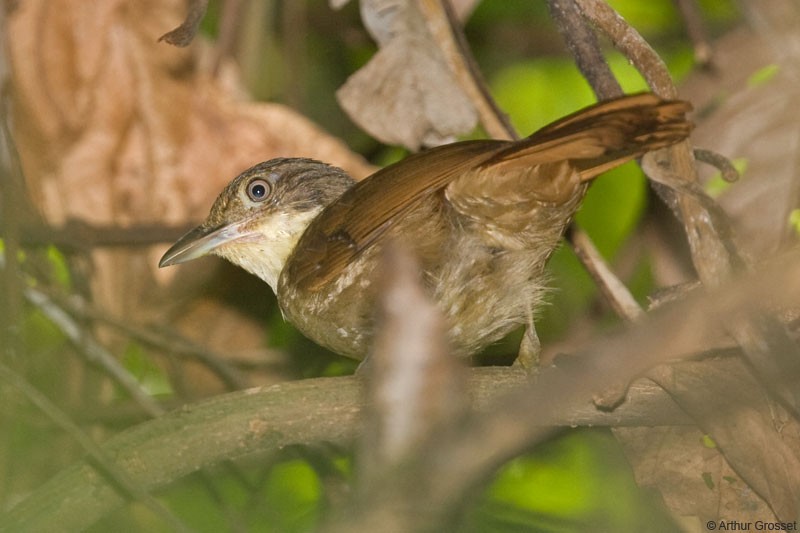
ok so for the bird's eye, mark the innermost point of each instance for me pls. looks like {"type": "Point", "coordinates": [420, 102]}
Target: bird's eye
{"type": "Point", "coordinates": [258, 190]}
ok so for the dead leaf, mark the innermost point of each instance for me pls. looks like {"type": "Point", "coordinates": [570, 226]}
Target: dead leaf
{"type": "Point", "coordinates": [693, 479]}
{"type": "Point", "coordinates": [757, 438]}
{"type": "Point", "coordinates": [462, 8]}
{"type": "Point", "coordinates": [183, 34]}
{"type": "Point", "coordinates": [406, 94]}
{"type": "Point", "coordinates": [749, 113]}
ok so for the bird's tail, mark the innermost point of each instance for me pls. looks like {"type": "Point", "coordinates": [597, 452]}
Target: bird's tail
{"type": "Point", "coordinates": [603, 136]}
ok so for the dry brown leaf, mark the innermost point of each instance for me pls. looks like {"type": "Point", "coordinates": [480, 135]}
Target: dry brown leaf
{"type": "Point", "coordinates": [749, 435]}
{"type": "Point", "coordinates": [756, 122]}
{"type": "Point", "coordinates": [406, 94]}
{"type": "Point", "coordinates": [116, 128]}
{"type": "Point", "coordinates": [757, 438]}
{"type": "Point", "coordinates": [462, 8]}
{"type": "Point", "coordinates": [111, 123]}
{"type": "Point", "coordinates": [693, 478]}
{"type": "Point", "coordinates": [183, 34]}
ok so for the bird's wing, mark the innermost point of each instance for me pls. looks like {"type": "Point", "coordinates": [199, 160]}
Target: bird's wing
{"type": "Point", "coordinates": [545, 167]}
{"type": "Point", "coordinates": [367, 210]}
{"type": "Point", "coordinates": [602, 136]}
{"type": "Point", "coordinates": [550, 165]}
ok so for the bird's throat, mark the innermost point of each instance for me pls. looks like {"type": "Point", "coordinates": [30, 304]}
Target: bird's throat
{"type": "Point", "coordinates": [265, 253]}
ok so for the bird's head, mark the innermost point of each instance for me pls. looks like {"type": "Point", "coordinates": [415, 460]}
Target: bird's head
{"type": "Point", "coordinates": [258, 218]}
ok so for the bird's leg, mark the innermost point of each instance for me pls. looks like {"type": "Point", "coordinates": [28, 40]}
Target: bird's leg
{"type": "Point", "coordinates": [364, 367]}
{"type": "Point", "coordinates": [529, 349]}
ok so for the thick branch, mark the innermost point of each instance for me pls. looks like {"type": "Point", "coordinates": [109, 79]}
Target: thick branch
{"type": "Point", "coordinates": [164, 450]}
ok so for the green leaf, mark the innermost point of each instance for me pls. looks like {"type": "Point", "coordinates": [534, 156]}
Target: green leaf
{"type": "Point", "coordinates": [613, 207]}
{"type": "Point", "coordinates": [525, 91]}
{"type": "Point", "coordinates": [653, 16]}
{"type": "Point", "coordinates": [536, 92]}
{"type": "Point", "coordinates": [572, 292]}
{"type": "Point", "coordinates": [20, 253]}
{"type": "Point", "coordinates": [720, 11]}
{"type": "Point", "coordinates": [709, 442]}
{"type": "Point", "coordinates": [39, 334]}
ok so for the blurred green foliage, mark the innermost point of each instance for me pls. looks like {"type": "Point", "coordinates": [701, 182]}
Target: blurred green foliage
{"type": "Point", "coordinates": [150, 376]}
{"type": "Point", "coordinates": [763, 75]}
{"type": "Point", "coordinates": [578, 482]}
{"type": "Point", "coordinates": [280, 496]}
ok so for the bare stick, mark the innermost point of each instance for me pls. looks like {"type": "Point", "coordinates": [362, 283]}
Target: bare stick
{"type": "Point", "coordinates": [582, 42]}
{"type": "Point", "coordinates": [92, 350]}
{"type": "Point", "coordinates": [729, 172]}
{"type": "Point", "coordinates": [615, 292]}
{"type": "Point", "coordinates": [446, 31]}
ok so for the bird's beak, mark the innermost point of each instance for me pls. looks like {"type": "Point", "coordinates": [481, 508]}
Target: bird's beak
{"type": "Point", "coordinates": [202, 241]}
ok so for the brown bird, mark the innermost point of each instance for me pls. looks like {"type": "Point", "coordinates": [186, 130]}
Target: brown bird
{"type": "Point", "coordinates": [481, 216]}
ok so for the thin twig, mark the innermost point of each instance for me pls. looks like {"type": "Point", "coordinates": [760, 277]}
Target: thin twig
{"type": "Point", "coordinates": [446, 30]}
{"type": "Point", "coordinates": [722, 163]}
{"type": "Point", "coordinates": [294, 31]}
{"type": "Point", "coordinates": [614, 291]}
{"type": "Point", "coordinates": [698, 34]}
{"type": "Point", "coordinates": [628, 41]}
{"type": "Point", "coordinates": [715, 257]}
{"type": "Point", "coordinates": [229, 26]}
{"type": "Point", "coordinates": [173, 343]}
{"type": "Point", "coordinates": [183, 34]}
{"type": "Point", "coordinates": [708, 228]}
{"type": "Point", "coordinates": [93, 351]}
{"type": "Point", "coordinates": [12, 200]}
{"type": "Point", "coordinates": [789, 234]}
{"type": "Point", "coordinates": [616, 295]}
{"type": "Point", "coordinates": [582, 43]}
{"type": "Point", "coordinates": [81, 236]}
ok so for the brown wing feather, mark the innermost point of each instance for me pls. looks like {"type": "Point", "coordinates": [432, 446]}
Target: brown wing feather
{"type": "Point", "coordinates": [549, 165]}
{"type": "Point", "coordinates": [602, 136]}
{"type": "Point", "coordinates": [668, 110]}
{"type": "Point", "coordinates": [590, 141]}
{"type": "Point", "coordinates": [351, 224]}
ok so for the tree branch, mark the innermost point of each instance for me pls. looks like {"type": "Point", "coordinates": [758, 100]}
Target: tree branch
{"type": "Point", "coordinates": [161, 451]}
